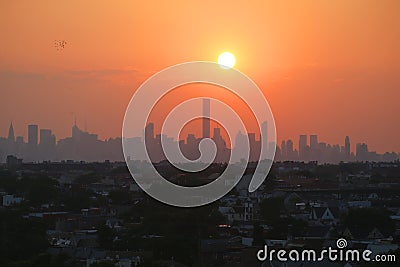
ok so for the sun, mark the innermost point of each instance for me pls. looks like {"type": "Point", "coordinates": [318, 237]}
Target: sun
{"type": "Point", "coordinates": [227, 60]}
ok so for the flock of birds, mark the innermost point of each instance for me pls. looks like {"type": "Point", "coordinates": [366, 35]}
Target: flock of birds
{"type": "Point", "coordinates": [60, 44]}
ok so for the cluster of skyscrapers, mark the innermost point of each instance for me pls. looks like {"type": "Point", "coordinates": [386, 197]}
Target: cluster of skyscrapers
{"type": "Point", "coordinates": [190, 146]}
{"type": "Point", "coordinates": [42, 146]}
{"type": "Point", "coordinates": [327, 153]}
{"type": "Point", "coordinates": [84, 146]}
{"type": "Point", "coordinates": [15, 145]}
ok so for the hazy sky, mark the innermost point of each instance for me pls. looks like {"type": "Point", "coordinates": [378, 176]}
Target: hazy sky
{"type": "Point", "coordinates": [326, 67]}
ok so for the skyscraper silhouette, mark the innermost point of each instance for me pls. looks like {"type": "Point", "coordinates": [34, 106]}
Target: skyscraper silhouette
{"type": "Point", "coordinates": [362, 152]}
{"type": "Point", "coordinates": [206, 119]}
{"type": "Point", "coordinates": [264, 136]}
{"type": "Point", "coordinates": [11, 136]}
{"type": "Point", "coordinates": [149, 132]}
{"type": "Point", "coordinates": [283, 150]}
{"type": "Point", "coordinates": [313, 142]}
{"type": "Point", "coordinates": [313, 155]}
{"type": "Point", "coordinates": [46, 137]}
{"type": "Point", "coordinates": [33, 135]}
{"type": "Point", "coordinates": [302, 147]}
{"type": "Point", "coordinates": [47, 144]}
{"type": "Point", "coordinates": [347, 147]}
{"type": "Point", "coordinates": [290, 151]}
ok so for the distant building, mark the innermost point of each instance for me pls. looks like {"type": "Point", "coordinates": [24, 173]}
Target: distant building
{"type": "Point", "coordinates": [11, 136]}
{"type": "Point", "coordinates": [303, 147]}
{"type": "Point", "coordinates": [347, 148]}
{"type": "Point", "coordinates": [13, 162]}
{"type": "Point", "coordinates": [284, 150]}
{"type": "Point", "coordinates": [314, 142]}
{"type": "Point", "coordinates": [46, 138]}
{"type": "Point", "coordinates": [264, 139]}
{"type": "Point", "coordinates": [47, 144]}
{"type": "Point", "coordinates": [9, 200]}
{"type": "Point", "coordinates": [149, 132]}
{"type": "Point", "coordinates": [255, 147]}
{"type": "Point", "coordinates": [33, 135]}
{"type": "Point", "coordinates": [206, 119]}
{"type": "Point", "coordinates": [291, 154]}
{"type": "Point", "coordinates": [362, 152]}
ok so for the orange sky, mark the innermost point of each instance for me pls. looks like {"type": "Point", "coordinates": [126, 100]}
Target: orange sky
{"type": "Point", "coordinates": [326, 67]}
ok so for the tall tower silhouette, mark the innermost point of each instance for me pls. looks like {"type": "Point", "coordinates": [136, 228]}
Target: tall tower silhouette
{"type": "Point", "coordinates": [347, 147]}
{"type": "Point", "coordinates": [206, 118]}
{"type": "Point", "coordinates": [11, 136]}
{"type": "Point", "coordinates": [302, 147]}
{"type": "Point", "coordinates": [33, 135]}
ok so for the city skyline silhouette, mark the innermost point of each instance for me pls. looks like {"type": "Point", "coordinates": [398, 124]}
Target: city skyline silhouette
{"type": "Point", "coordinates": [42, 145]}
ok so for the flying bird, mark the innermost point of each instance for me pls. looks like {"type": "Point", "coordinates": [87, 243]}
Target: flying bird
{"type": "Point", "coordinates": [60, 44]}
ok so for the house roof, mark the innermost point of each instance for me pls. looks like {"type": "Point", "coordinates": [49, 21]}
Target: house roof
{"type": "Point", "coordinates": [319, 211]}
{"type": "Point", "coordinates": [335, 211]}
